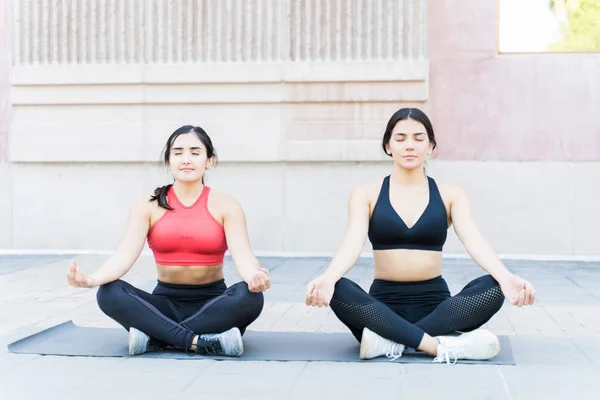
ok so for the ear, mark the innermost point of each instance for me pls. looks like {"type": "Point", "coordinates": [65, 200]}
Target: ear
{"type": "Point", "coordinates": [210, 162]}
{"type": "Point", "coordinates": [387, 149]}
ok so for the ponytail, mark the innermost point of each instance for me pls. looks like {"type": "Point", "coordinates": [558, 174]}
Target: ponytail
{"type": "Point", "coordinates": [160, 195]}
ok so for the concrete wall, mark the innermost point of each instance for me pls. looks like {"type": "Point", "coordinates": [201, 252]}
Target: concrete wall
{"type": "Point", "coordinates": [6, 197]}
{"type": "Point", "coordinates": [296, 114]}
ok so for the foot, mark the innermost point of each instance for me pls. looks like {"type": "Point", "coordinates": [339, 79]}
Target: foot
{"type": "Point", "coordinates": [140, 343]}
{"type": "Point", "coordinates": [479, 344]}
{"type": "Point", "coordinates": [228, 343]}
{"type": "Point", "coordinates": [372, 345]}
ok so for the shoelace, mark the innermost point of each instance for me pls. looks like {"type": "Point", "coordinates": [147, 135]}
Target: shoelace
{"type": "Point", "coordinates": [156, 345]}
{"type": "Point", "coordinates": [445, 357]}
{"type": "Point", "coordinates": [209, 349]}
{"type": "Point", "coordinates": [394, 351]}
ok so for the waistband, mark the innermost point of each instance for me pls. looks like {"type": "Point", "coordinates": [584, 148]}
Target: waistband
{"type": "Point", "coordinates": [179, 286]}
{"type": "Point", "coordinates": [430, 287]}
{"type": "Point", "coordinates": [190, 291]}
{"type": "Point", "coordinates": [437, 280]}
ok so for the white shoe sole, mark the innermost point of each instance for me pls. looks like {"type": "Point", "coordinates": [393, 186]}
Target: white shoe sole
{"type": "Point", "coordinates": [240, 342]}
{"type": "Point", "coordinates": [364, 344]}
{"type": "Point", "coordinates": [491, 347]}
{"type": "Point", "coordinates": [135, 336]}
{"type": "Point", "coordinates": [231, 340]}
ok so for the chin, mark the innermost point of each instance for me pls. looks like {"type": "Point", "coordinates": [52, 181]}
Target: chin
{"type": "Point", "coordinates": [189, 179]}
{"type": "Point", "coordinates": [410, 165]}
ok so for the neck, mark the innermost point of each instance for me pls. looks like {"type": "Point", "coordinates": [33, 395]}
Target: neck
{"type": "Point", "coordinates": [413, 177]}
{"type": "Point", "coordinates": [188, 190]}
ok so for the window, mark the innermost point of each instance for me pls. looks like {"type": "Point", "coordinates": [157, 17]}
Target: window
{"type": "Point", "coordinates": [541, 26]}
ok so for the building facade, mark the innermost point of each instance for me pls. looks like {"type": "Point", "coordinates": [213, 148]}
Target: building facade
{"type": "Point", "coordinates": [295, 95]}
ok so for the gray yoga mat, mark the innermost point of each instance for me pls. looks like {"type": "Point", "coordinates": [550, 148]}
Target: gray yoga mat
{"type": "Point", "coordinates": [68, 339]}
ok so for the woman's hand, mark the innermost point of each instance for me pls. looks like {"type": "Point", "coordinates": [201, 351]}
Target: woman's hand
{"type": "Point", "coordinates": [320, 291]}
{"type": "Point", "coordinates": [518, 291]}
{"type": "Point", "coordinates": [76, 278]}
{"type": "Point", "coordinates": [260, 281]}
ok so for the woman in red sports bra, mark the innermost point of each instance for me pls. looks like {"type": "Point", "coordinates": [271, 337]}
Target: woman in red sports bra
{"type": "Point", "coordinates": [188, 227]}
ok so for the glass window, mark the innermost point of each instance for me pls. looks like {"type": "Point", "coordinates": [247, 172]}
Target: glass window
{"type": "Point", "coordinates": [540, 26]}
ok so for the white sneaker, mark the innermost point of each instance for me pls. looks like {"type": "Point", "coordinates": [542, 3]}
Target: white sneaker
{"type": "Point", "coordinates": [372, 345]}
{"type": "Point", "coordinates": [228, 343]}
{"type": "Point", "coordinates": [479, 344]}
{"type": "Point", "coordinates": [138, 342]}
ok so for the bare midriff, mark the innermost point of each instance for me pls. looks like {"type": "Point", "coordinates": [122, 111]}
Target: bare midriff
{"type": "Point", "coordinates": [403, 265]}
{"type": "Point", "coordinates": [189, 275]}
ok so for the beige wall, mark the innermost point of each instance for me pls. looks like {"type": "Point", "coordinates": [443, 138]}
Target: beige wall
{"type": "Point", "coordinates": [5, 107]}
{"type": "Point", "coordinates": [522, 208]}
{"type": "Point", "coordinates": [296, 114]}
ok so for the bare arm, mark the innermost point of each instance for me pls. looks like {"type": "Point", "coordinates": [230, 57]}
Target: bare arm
{"type": "Point", "coordinates": [121, 261]}
{"type": "Point", "coordinates": [320, 290]}
{"type": "Point", "coordinates": [246, 263]}
{"type": "Point", "coordinates": [468, 233]}
{"type": "Point", "coordinates": [516, 289]}
{"type": "Point", "coordinates": [355, 237]}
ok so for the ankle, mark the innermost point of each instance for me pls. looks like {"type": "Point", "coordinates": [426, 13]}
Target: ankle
{"type": "Point", "coordinates": [194, 343]}
{"type": "Point", "coordinates": [429, 345]}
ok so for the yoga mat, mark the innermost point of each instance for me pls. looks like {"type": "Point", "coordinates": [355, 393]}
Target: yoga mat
{"type": "Point", "coordinates": [68, 339]}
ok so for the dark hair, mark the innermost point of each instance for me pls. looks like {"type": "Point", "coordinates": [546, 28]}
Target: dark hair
{"type": "Point", "coordinates": [408, 113]}
{"type": "Point", "coordinates": [160, 194]}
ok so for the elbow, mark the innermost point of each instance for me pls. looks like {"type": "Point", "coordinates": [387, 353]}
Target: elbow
{"type": "Point", "coordinates": [472, 247]}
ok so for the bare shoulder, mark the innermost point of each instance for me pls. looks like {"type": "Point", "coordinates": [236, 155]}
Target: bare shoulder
{"type": "Point", "coordinates": [451, 191]}
{"type": "Point", "coordinates": [220, 196]}
{"type": "Point", "coordinates": [368, 190]}
{"type": "Point", "coordinates": [144, 204]}
{"type": "Point", "coordinates": [141, 209]}
{"type": "Point", "coordinates": [224, 201]}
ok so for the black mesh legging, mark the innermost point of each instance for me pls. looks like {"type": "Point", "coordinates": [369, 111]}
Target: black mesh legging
{"type": "Point", "coordinates": [174, 314]}
{"type": "Point", "coordinates": [468, 310]}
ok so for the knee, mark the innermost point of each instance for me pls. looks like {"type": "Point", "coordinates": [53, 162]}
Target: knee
{"type": "Point", "coordinates": [108, 296]}
{"type": "Point", "coordinates": [488, 281]}
{"type": "Point", "coordinates": [253, 301]}
{"type": "Point", "coordinates": [494, 293]}
{"type": "Point", "coordinates": [343, 290]}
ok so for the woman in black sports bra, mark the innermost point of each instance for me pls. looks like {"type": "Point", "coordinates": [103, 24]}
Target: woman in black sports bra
{"type": "Point", "coordinates": [406, 216]}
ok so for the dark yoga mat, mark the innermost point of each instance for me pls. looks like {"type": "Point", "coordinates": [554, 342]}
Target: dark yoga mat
{"type": "Point", "coordinates": [68, 339]}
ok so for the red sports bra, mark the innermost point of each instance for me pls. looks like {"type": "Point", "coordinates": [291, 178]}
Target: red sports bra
{"type": "Point", "coordinates": [187, 235]}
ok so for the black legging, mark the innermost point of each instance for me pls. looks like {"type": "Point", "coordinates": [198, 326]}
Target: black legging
{"type": "Point", "coordinates": [468, 310]}
{"type": "Point", "coordinates": [174, 314]}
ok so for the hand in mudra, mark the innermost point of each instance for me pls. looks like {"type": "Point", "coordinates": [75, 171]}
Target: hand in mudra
{"type": "Point", "coordinates": [320, 292]}
{"type": "Point", "coordinates": [76, 277]}
{"type": "Point", "coordinates": [518, 291]}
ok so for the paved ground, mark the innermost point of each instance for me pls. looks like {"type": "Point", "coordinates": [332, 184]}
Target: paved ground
{"type": "Point", "coordinates": [556, 342]}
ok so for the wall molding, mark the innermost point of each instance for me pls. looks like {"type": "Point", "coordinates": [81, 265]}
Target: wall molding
{"type": "Point", "coordinates": [405, 69]}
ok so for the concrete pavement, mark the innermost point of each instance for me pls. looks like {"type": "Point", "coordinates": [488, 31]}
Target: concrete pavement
{"type": "Point", "coordinates": [556, 342]}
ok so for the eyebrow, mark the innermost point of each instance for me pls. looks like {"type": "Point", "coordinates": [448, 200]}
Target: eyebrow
{"type": "Point", "coordinates": [181, 148]}
{"type": "Point", "coordinates": [406, 134]}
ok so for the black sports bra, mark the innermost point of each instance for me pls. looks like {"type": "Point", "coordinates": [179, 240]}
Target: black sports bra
{"type": "Point", "coordinates": [387, 230]}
